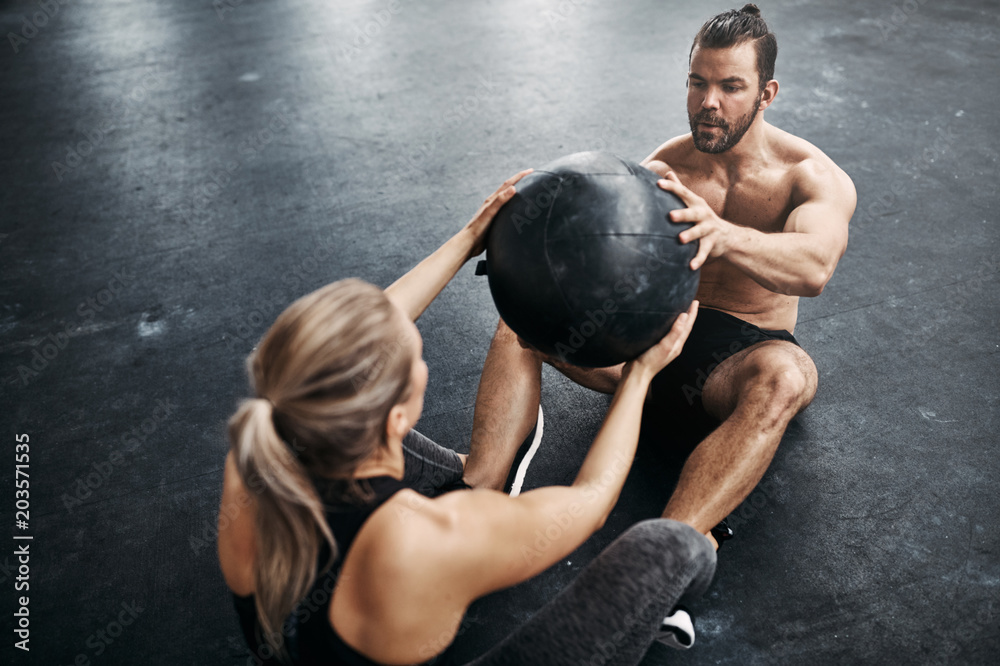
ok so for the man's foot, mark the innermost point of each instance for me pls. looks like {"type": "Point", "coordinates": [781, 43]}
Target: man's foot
{"type": "Point", "coordinates": [677, 629]}
{"type": "Point", "coordinates": [721, 533]}
{"type": "Point", "coordinates": [525, 454]}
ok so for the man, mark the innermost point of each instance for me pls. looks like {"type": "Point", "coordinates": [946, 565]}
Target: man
{"type": "Point", "coordinates": [770, 212]}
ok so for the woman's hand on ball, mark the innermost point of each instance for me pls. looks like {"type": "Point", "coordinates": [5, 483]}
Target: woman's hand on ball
{"type": "Point", "coordinates": [710, 230]}
{"type": "Point", "coordinates": [480, 222]}
{"type": "Point", "coordinates": [666, 350]}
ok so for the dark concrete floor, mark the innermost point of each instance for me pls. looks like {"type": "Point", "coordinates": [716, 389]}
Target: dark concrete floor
{"type": "Point", "coordinates": [176, 173]}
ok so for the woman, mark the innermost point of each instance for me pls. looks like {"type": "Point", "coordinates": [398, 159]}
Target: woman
{"type": "Point", "coordinates": [336, 553]}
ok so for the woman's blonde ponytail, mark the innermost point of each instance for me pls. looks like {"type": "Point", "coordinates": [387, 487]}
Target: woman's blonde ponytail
{"type": "Point", "coordinates": [326, 374]}
{"type": "Point", "coordinates": [290, 519]}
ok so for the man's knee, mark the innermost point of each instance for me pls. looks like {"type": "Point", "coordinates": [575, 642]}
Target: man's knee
{"type": "Point", "coordinates": [504, 331]}
{"type": "Point", "coordinates": [791, 387]}
{"type": "Point", "coordinates": [788, 378]}
{"type": "Point", "coordinates": [505, 338]}
{"type": "Point", "coordinates": [505, 335]}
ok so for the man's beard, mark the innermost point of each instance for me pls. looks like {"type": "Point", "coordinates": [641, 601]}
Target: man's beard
{"type": "Point", "coordinates": [731, 134]}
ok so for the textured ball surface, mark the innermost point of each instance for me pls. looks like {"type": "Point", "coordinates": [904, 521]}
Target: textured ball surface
{"type": "Point", "coordinates": [584, 264]}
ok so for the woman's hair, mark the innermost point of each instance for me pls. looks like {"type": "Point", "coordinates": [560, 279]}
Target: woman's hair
{"type": "Point", "coordinates": [326, 374]}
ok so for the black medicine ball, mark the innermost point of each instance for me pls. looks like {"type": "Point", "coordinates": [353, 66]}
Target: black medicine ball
{"type": "Point", "coordinates": [584, 264]}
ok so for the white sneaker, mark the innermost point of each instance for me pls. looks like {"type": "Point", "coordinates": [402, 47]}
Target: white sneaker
{"type": "Point", "coordinates": [525, 454]}
{"type": "Point", "coordinates": [677, 630]}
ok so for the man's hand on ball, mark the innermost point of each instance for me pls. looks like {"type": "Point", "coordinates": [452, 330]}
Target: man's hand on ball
{"type": "Point", "coordinates": [666, 350]}
{"type": "Point", "coordinates": [480, 222]}
{"type": "Point", "coordinates": [710, 230]}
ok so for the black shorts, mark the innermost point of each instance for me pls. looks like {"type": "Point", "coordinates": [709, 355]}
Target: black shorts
{"type": "Point", "coordinates": [714, 337]}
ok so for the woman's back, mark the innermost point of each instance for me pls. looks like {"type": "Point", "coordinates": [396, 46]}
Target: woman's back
{"type": "Point", "coordinates": [381, 595]}
{"type": "Point", "coordinates": [401, 594]}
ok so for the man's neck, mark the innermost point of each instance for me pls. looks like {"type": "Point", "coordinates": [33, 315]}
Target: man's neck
{"type": "Point", "coordinates": [747, 154]}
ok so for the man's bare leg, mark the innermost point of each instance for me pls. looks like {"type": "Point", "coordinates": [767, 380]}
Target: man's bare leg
{"type": "Point", "coordinates": [506, 409]}
{"type": "Point", "coordinates": [757, 392]}
{"type": "Point", "coordinates": [507, 404]}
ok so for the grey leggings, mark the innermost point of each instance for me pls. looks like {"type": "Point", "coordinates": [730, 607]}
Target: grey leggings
{"type": "Point", "coordinates": [610, 613]}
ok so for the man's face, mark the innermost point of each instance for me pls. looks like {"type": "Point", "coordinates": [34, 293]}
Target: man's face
{"type": "Point", "coordinates": [723, 96]}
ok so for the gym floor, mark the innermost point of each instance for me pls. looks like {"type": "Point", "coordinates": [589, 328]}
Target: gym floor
{"type": "Point", "coordinates": [176, 173]}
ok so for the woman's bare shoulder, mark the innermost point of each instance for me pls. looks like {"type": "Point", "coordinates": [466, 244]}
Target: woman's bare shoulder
{"type": "Point", "coordinates": [237, 535]}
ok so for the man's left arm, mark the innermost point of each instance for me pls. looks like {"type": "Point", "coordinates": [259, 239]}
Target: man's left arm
{"type": "Point", "coordinates": [800, 260]}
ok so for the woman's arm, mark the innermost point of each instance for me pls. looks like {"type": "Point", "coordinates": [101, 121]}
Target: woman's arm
{"type": "Point", "coordinates": [414, 291]}
{"type": "Point", "coordinates": [500, 541]}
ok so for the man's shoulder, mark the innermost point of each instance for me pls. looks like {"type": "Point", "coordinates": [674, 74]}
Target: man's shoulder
{"type": "Point", "coordinates": [675, 152]}
{"type": "Point", "coordinates": [807, 165]}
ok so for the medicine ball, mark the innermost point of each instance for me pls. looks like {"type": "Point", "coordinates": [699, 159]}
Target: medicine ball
{"type": "Point", "coordinates": [584, 264]}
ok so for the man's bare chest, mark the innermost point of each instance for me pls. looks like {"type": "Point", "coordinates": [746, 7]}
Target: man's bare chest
{"type": "Point", "coordinates": [759, 204]}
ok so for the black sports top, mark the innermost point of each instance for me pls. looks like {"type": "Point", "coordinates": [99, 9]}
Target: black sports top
{"type": "Point", "coordinates": [309, 637]}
